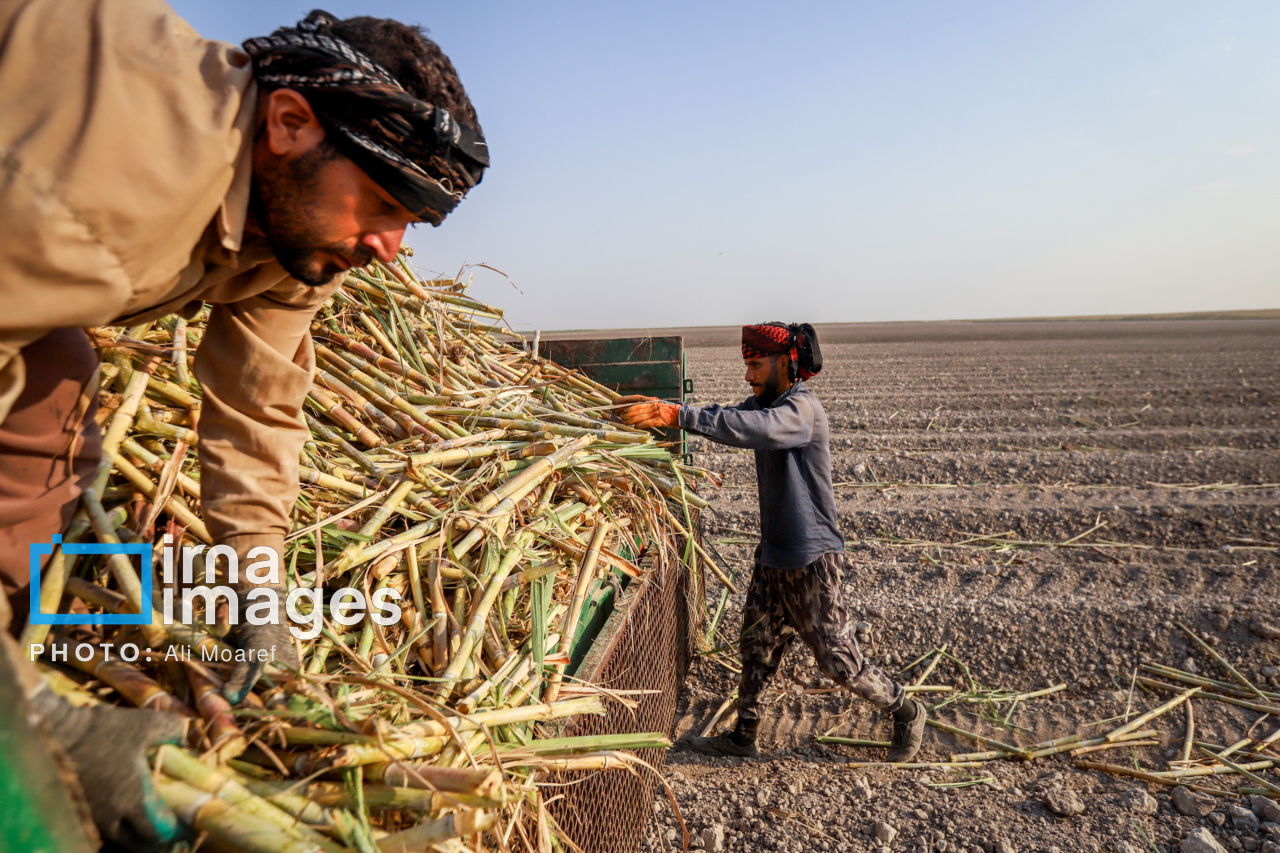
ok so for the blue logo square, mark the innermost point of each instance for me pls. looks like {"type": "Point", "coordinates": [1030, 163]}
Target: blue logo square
{"type": "Point", "coordinates": [39, 550]}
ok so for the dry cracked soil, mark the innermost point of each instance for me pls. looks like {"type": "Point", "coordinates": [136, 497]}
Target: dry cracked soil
{"type": "Point", "coordinates": [1050, 501]}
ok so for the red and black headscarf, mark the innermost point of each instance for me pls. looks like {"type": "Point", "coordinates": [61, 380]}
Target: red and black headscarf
{"type": "Point", "coordinates": [798, 340]}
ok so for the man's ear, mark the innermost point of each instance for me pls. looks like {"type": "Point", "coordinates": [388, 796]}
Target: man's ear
{"type": "Point", "coordinates": [785, 368]}
{"type": "Point", "coordinates": [290, 125]}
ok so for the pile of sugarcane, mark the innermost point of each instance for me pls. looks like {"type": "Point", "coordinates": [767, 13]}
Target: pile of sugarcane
{"type": "Point", "coordinates": [1249, 757]}
{"type": "Point", "coordinates": [494, 491]}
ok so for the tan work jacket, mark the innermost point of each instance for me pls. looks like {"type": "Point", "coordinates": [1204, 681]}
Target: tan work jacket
{"type": "Point", "coordinates": [125, 169]}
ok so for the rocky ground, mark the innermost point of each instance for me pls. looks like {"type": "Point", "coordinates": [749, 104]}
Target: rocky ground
{"type": "Point", "coordinates": [1148, 449]}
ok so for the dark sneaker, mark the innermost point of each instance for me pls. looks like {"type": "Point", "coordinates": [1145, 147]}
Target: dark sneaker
{"type": "Point", "coordinates": [908, 731]}
{"type": "Point", "coordinates": [723, 745]}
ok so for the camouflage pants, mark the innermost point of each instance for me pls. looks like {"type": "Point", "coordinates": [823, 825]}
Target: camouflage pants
{"type": "Point", "coordinates": [809, 603]}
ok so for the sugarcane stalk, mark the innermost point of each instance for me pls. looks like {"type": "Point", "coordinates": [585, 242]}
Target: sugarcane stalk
{"type": "Point", "coordinates": [1016, 751]}
{"type": "Point", "coordinates": [1101, 747]}
{"type": "Point", "coordinates": [331, 407]}
{"type": "Point", "coordinates": [352, 452]}
{"type": "Point", "coordinates": [706, 558]}
{"type": "Point", "coordinates": [1217, 697]}
{"type": "Point", "coordinates": [173, 504]}
{"type": "Point", "coordinates": [1260, 792]}
{"type": "Point", "coordinates": [119, 564]}
{"type": "Point", "coordinates": [1147, 777]}
{"type": "Point", "coordinates": [477, 782]}
{"type": "Point", "coordinates": [1244, 771]}
{"type": "Point", "coordinates": [158, 463]}
{"type": "Point", "coordinates": [230, 826]}
{"type": "Point", "coordinates": [121, 421]}
{"type": "Point", "coordinates": [56, 574]}
{"type": "Point", "coordinates": [468, 703]}
{"type": "Point", "coordinates": [523, 483]}
{"type": "Point", "coordinates": [1191, 732]}
{"type": "Point", "coordinates": [479, 618]}
{"type": "Point", "coordinates": [379, 414]}
{"type": "Point", "coordinates": [385, 797]}
{"type": "Point", "coordinates": [179, 356]}
{"type": "Point", "coordinates": [498, 421]}
{"type": "Point", "coordinates": [928, 670]}
{"type": "Point", "coordinates": [1152, 714]}
{"type": "Point", "coordinates": [1213, 653]}
{"type": "Point", "coordinates": [167, 389]}
{"type": "Point", "coordinates": [284, 796]}
{"type": "Point", "coordinates": [586, 574]}
{"type": "Point", "coordinates": [180, 765]}
{"type": "Point", "coordinates": [1040, 750]}
{"type": "Point", "coordinates": [1220, 770]}
{"type": "Point", "coordinates": [396, 748]}
{"type": "Point", "coordinates": [1208, 683]}
{"type": "Point", "coordinates": [225, 738]}
{"type": "Point", "coordinates": [720, 712]}
{"type": "Point", "coordinates": [429, 832]}
{"type": "Point", "coordinates": [144, 423]}
{"type": "Point", "coordinates": [127, 680]}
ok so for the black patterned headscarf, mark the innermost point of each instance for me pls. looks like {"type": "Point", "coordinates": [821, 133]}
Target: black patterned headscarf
{"type": "Point", "coordinates": [391, 135]}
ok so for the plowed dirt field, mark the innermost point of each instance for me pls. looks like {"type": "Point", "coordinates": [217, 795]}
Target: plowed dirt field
{"type": "Point", "coordinates": [1050, 501]}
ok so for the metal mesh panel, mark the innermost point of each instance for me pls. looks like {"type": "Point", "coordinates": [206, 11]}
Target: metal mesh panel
{"type": "Point", "coordinates": [645, 645]}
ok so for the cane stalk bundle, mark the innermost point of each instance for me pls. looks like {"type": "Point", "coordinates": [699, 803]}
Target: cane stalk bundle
{"type": "Point", "coordinates": [490, 493]}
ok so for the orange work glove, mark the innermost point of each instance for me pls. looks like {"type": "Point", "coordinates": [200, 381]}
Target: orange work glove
{"type": "Point", "coordinates": [646, 412]}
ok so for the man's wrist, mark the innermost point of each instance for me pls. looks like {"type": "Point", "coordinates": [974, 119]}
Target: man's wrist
{"type": "Point", "coordinates": [683, 411]}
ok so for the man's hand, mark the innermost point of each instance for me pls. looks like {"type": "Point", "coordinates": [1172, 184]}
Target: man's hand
{"type": "Point", "coordinates": [269, 646]}
{"type": "Point", "coordinates": [274, 642]}
{"type": "Point", "coordinates": [108, 746]}
{"type": "Point", "coordinates": [646, 412]}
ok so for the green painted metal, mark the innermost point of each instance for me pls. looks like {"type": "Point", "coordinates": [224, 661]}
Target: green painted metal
{"type": "Point", "coordinates": [640, 376]}
{"type": "Point", "coordinates": [596, 610]}
{"type": "Point", "coordinates": [38, 815]}
{"type": "Point", "coordinates": [614, 350]}
{"type": "Point", "coordinates": [652, 366]}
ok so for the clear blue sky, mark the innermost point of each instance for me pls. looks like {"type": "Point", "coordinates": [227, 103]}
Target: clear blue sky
{"type": "Point", "coordinates": [708, 163]}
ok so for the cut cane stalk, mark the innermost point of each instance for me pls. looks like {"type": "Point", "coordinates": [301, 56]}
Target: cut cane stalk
{"type": "Point", "coordinates": [1152, 714]}
{"type": "Point", "coordinates": [1148, 777]}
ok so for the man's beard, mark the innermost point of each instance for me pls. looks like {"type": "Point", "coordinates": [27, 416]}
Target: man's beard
{"type": "Point", "coordinates": [771, 390]}
{"type": "Point", "coordinates": [285, 202]}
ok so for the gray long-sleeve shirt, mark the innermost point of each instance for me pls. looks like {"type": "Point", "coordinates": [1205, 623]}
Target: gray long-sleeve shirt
{"type": "Point", "coordinates": [791, 440]}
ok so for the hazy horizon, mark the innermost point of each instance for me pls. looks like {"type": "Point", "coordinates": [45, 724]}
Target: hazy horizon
{"type": "Point", "coordinates": [714, 163]}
